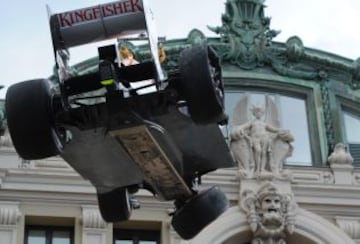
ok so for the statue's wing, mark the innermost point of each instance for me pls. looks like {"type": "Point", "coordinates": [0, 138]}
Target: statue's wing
{"type": "Point", "coordinates": [280, 152]}
{"type": "Point", "coordinates": [271, 112]}
{"type": "Point", "coordinates": [240, 115]}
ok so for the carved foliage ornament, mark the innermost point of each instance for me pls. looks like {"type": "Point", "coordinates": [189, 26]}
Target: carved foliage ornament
{"type": "Point", "coordinates": [270, 214]}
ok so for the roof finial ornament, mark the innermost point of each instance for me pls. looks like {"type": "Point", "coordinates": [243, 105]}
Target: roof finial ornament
{"type": "Point", "coordinates": [246, 30]}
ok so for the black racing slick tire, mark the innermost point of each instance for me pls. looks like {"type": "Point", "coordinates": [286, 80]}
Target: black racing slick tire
{"type": "Point", "coordinates": [199, 211]}
{"type": "Point", "coordinates": [30, 119]}
{"type": "Point", "coordinates": [201, 84]}
{"type": "Point", "coordinates": [115, 206]}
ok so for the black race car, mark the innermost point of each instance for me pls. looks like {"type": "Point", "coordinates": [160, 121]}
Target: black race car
{"type": "Point", "coordinates": [162, 139]}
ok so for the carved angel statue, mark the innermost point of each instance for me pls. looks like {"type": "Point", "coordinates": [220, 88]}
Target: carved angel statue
{"type": "Point", "coordinates": [259, 145]}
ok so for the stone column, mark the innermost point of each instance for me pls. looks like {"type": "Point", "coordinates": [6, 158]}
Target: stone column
{"type": "Point", "coordinates": [9, 218]}
{"type": "Point", "coordinates": [94, 229]}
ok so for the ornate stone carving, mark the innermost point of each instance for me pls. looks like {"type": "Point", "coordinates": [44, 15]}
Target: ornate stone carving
{"type": "Point", "coordinates": [270, 214]}
{"type": "Point", "coordinates": [341, 164]}
{"type": "Point", "coordinates": [259, 145]}
{"type": "Point", "coordinates": [246, 41]}
{"type": "Point", "coordinates": [340, 156]}
{"type": "Point", "coordinates": [9, 215]}
{"type": "Point", "coordinates": [24, 164]}
{"type": "Point", "coordinates": [246, 32]}
{"type": "Point", "coordinates": [312, 176]}
{"type": "Point", "coordinates": [328, 118]}
{"type": "Point", "coordinates": [294, 48]}
{"type": "Point", "coordinates": [350, 225]}
{"type": "Point", "coordinates": [91, 218]}
{"type": "Point", "coordinates": [328, 178]}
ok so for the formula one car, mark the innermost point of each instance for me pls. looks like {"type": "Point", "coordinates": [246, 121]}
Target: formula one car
{"type": "Point", "coordinates": [162, 139]}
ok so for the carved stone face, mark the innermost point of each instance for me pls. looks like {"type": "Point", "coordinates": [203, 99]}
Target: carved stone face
{"type": "Point", "coordinates": [258, 112]}
{"type": "Point", "coordinates": [271, 204]}
{"type": "Point", "coordinates": [272, 216]}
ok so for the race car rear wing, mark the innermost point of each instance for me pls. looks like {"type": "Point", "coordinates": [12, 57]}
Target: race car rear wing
{"type": "Point", "coordinates": [101, 22]}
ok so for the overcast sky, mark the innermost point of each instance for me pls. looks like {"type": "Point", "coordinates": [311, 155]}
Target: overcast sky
{"type": "Point", "coordinates": [26, 49]}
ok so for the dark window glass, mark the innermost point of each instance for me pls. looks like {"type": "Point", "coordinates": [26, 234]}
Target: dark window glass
{"type": "Point", "coordinates": [136, 237]}
{"type": "Point", "coordinates": [48, 235]}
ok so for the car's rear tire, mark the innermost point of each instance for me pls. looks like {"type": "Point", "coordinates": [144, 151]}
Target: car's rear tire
{"type": "Point", "coordinates": [115, 206]}
{"type": "Point", "coordinates": [30, 119]}
{"type": "Point", "coordinates": [201, 84]}
{"type": "Point", "coordinates": [199, 211]}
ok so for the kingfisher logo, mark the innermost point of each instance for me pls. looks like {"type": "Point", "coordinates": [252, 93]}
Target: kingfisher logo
{"type": "Point", "coordinates": [68, 19]}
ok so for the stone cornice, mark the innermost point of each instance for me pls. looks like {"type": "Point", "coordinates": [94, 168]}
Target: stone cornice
{"type": "Point", "coordinates": [308, 177]}
{"type": "Point", "coordinates": [313, 188]}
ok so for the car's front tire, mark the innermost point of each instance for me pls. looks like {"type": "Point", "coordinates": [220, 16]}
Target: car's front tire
{"type": "Point", "coordinates": [199, 211]}
{"type": "Point", "coordinates": [115, 206]}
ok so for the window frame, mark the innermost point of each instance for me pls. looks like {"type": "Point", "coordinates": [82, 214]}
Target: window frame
{"type": "Point", "coordinates": [306, 91]}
